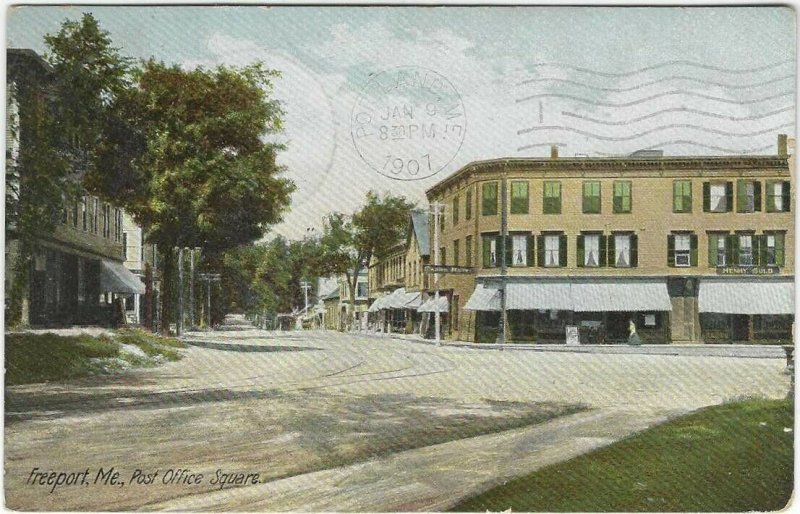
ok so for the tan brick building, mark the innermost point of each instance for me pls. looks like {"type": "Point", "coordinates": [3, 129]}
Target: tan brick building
{"type": "Point", "coordinates": [691, 249]}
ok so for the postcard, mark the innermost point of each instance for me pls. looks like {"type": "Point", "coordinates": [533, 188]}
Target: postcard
{"type": "Point", "coordinates": [399, 258]}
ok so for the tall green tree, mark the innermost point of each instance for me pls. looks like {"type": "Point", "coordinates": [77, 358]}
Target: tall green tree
{"type": "Point", "coordinates": [349, 242]}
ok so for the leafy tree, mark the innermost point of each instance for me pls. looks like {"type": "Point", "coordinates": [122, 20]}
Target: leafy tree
{"type": "Point", "coordinates": [349, 242]}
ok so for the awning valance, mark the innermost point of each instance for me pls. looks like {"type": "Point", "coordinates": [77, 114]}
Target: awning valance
{"type": "Point", "coordinates": [577, 296]}
{"type": "Point", "coordinates": [431, 305]}
{"type": "Point", "coordinates": [751, 296]}
{"type": "Point", "coordinates": [116, 278]}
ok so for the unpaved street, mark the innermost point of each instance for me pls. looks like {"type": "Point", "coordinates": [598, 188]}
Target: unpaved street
{"type": "Point", "coordinates": [337, 421]}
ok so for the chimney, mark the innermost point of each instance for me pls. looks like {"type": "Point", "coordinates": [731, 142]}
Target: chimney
{"type": "Point", "coordinates": [782, 145]}
{"type": "Point", "coordinates": [554, 151]}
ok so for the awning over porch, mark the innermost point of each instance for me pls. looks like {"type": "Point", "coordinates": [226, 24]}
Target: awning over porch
{"type": "Point", "coordinates": [746, 296]}
{"type": "Point", "coordinates": [575, 295]}
{"type": "Point", "coordinates": [377, 305]}
{"type": "Point", "coordinates": [431, 305]}
{"type": "Point", "coordinates": [116, 278]}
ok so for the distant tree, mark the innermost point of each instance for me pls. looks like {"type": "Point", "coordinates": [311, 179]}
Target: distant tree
{"type": "Point", "coordinates": [349, 242]}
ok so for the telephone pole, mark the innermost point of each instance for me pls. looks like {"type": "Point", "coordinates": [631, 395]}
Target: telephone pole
{"type": "Point", "coordinates": [438, 210]}
{"type": "Point", "coordinates": [306, 286]}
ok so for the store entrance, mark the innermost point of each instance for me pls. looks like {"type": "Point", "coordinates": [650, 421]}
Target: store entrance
{"type": "Point", "coordinates": [740, 327]}
{"type": "Point", "coordinates": [617, 324]}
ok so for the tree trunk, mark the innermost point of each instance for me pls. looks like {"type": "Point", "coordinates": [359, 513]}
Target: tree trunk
{"type": "Point", "coordinates": [167, 254]}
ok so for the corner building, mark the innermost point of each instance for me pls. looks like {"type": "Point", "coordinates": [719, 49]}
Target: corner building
{"type": "Point", "coordinates": [691, 249]}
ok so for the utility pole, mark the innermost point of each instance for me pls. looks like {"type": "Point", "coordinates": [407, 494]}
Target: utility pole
{"type": "Point", "coordinates": [437, 209]}
{"type": "Point", "coordinates": [306, 286]}
{"type": "Point", "coordinates": [501, 335]}
{"type": "Point", "coordinates": [209, 277]}
{"type": "Point", "coordinates": [179, 321]}
{"type": "Point", "coordinates": [191, 288]}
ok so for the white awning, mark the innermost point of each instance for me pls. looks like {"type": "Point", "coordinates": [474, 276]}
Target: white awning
{"type": "Point", "coordinates": [430, 305]}
{"type": "Point", "coordinates": [415, 301]}
{"type": "Point", "coordinates": [116, 278]}
{"type": "Point", "coordinates": [484, 299]}
{"type": "Point", "coordinates": [377, 304]}
{"type": "Point", "coordinates": [748, 296]}
{"type": "Point", "coordinates": [579, 296]}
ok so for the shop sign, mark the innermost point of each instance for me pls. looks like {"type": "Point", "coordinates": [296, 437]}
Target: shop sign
{"type": "Point", "coordinates": [748, 270]}
{"type": "Point", "coordinates": [572, 336]}
{"type": "Point", "coordinates": [458, 270]}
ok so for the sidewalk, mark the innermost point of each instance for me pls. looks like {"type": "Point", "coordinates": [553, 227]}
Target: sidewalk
{"type": "Point", "coordinates": [432, 478]}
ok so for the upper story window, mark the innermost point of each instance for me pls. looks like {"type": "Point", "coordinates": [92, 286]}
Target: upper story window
{"type": "Point", "coordinates": [774, 249]}
{"type": "Point", "coordinates": [717, 196]}
{"type": "Point", "coordinates": [551, 202]}
{"type": "Point", "coordinates": [682, 196]}
{"type": "Point", "coordinates": [591, 197]}
{"type": "Point", "coordinates": [443, 255]}
{"type": "Point", "coordinates": [748, 196]}
{"type": "Point", "coordinates": [552, 250]}
{"type": "Point", "coordinates": [456, 252]}
{"type": "Point", "coordinates": [682, 250]}
{"type": "Point", "coordinates": [468, 205]}
{"type": "Point", "coordinates": [778, 196]}
{"type": "Point", "coordinates": [468, 251]}
{"type": "Point", "coordinates": [521, 250]}
{"type": "Point", "coordinates": [455, 210]}
{"type": "Point", "coordinates": [623, 249]}
{"type": "Point", "coordinates": [489, 199]}
{"type": "Point", "coordinates": [718, 248]}
{"type": "Point", "coordinates": [490, 248]}
{"type": "Point", "coordinates": [745, 253]}
{"type": "Point", "coordinates": [520, 202]}
{"type": "Point", "coordinates": [362, 289]}
{"type": "Point", "coordinates": [622, 196]}
{"type": "Point", "coordinates": [589, 250]}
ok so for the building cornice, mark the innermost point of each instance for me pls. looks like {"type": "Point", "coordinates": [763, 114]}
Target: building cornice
{"type": "Point", "coordinates": [611, 164]}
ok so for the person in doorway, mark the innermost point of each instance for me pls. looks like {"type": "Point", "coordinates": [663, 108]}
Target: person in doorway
{"type": "Point", "coordinates": [633, 338]}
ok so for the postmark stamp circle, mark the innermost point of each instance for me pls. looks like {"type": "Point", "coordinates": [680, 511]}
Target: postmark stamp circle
{"type": "Point", "coordinates": [408, 123]}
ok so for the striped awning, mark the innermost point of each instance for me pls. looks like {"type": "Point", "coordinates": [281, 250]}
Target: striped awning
{"type": "Point", "coordinates": [746, 296]}
{"type": "Point", "coordinates": [574, 295]}
{"type": "Point", "coordinates": [431, 305]}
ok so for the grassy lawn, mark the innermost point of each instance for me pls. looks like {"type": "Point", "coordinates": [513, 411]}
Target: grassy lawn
{"type": "Point", "coordinates": [31, 358]}
{"type": "Point", "coordinates": [733, 457]}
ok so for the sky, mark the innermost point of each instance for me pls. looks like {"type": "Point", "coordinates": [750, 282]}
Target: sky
{"type": "Point", "coordinates": [594, 81]}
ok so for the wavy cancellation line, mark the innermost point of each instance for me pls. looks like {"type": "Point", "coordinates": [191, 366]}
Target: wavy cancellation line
{"type": "Point", "coordinates": [664, 64]}
{"type": "Point", "coordinates": [669, 78]}
{"type": "Point", "coordinates": [654, 130]}
{"type": "Point", "coordinates": [674, 92]}
{"type": "Point", "coordinates": [663, 144]}
{"type": "Point", "coordinates": [677, 110]}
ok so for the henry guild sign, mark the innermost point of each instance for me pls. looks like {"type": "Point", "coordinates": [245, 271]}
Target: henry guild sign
{"type": "Point", "coordinates": [461, 270]}
{"type": "Point", "coordinates": [749, 270]}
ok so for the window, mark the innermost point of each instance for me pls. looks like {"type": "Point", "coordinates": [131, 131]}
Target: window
{"type": "Point", "coordinates": [682, 196]}
{"type": "Point", "coordinates": [106, 221]}
{"type": "Point", "coordinates": [362, 290]}
{"type": "Point", "coordinates": [125, 247]}
{"type": "Point", "coordinates": [718, 249]}
{"type": "Point", "coordinates": [748, 196]}
{"type": "Point", "coordinates": [455, 211]}
{"type": "Point", "coordinates": [591, 197]}
{"type": "Point", "coordinates": [622, 251]}
{"type": "Point", "coordinates": [778, 196]}
{"type": "Point", "coordinates": [489, 199]}
{"type": "Point", "coordinates": [490, 250]}
{"type": "Point", "coordinates": [468, 206]}
{"type": "Point", "coordinates": [519, 249]}
{"type": "Point", "coordinates": [591, 244]}
{"type": "Point", "coordinates": [468, 251]}
{"type": "Point", "coordinates": [774, 249]}
{"type": "Point", "coordinates": [622, 196]}
{"type": "Point", "coordinates": [745, 250]}
{"type": "Point", "coordinates": [84, 213]}
{"type": "Point", "coordinates": [519, 198]}
{"type": "Point", "coordinates": [443, 256]}
{"type": "Point", "coordinates": [456, 252]}
{"type": "Point", "coordinates": [552, 250]}
{"type": "Point", "coordinates": [717, 196]}
{"type": "Point", "coordinates": [551, 203]}
{"type": "Point", "coordinates": [681, 249]}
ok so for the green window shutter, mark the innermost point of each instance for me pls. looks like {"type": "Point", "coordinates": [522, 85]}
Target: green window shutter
{"type": "Point", "coordinates": [741, 196]}
{"type": "Point", "coordinates": [780, 253]}
{"type": "Point", "coordinates": [712, 250]}
{"type": "Point", "coordinates": [531, 255]}
{"type": "Point", "coordinates": [603, 260]}
{"type": "Point", "coordinates": [757, 196]}
{"type": "Point", "coordinates": [540, 251]}
{"type": "Point", "coordinates": [585, 206]}
{"type": "Point", "coordinates": [468, 205]}
{"type": "Point", "coordinates": [630, 197]}
{"type": "Point", "coordinates": [580, 255]}
{"type": "Point", "coordinates": [509, 255]}
{"type": "Point", "coordinates": [562, 251]}
{"type": "Point", "coordinates": [455, 211]}
{"type": "Point", "coordinates": [728, 196]}
{"type": "Point", "coordinates": [671, 250]}
{"type": "Point", "coordinates": [687, 198]}
{"type": "Point", "coordinates": [634, 251]}
{"type": "Point", "coordinates": [787, 197]}
{"type": "Point", "coordinates": [706, 197]}
{"type": "Point", "coordinates": [734, 250]}
{"type": "Point", "coordinates": [770, 207]}
{"type": "Point", "coordinates": [693, 247]}
{"type": "Point", "coordinates": [487, 251]}
{"type": "Point", "coordinates": [677, 197]}
{"type": "Point", "coordinates": [519, 198]}
{"type": "Point", "coordinates": [611, 255]}
{"type": "Point", "coordinates": [759, 250]}
{"type": "Point", "coordinates": [730, 247]}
